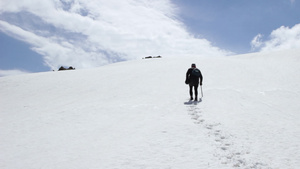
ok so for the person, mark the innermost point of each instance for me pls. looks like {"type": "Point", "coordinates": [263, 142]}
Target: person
{"type": "Point", "coordinates": [193, 76]}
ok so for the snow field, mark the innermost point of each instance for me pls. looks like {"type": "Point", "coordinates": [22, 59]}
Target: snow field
{"type": "Point", "coordinates": [136, 114]}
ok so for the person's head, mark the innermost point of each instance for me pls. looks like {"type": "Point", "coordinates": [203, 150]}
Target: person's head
{"type": "Point", "coordinates": [193, 65]}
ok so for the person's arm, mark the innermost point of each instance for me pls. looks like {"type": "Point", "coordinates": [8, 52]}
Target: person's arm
{"type": "Point", "coordinates": [187, 76]}
{"type": "Point", "coordinates": [201, 78]}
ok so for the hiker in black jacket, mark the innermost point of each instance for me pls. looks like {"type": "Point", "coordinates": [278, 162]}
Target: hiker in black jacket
{"type": "Point", "coordinates": [193, 75]}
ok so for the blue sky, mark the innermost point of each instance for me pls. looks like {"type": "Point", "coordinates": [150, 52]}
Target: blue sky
{"type": "Point", "coordinates": [40, 36]}
{"type": "Point", "coordinates": [232, 24]}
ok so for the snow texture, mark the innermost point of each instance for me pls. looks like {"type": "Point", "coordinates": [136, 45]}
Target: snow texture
{"type": "Point", "coordinates": [137, 115]}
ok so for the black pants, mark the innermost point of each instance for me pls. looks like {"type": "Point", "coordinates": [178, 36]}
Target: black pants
{"type": "Point", "coordinates": [195, 89]}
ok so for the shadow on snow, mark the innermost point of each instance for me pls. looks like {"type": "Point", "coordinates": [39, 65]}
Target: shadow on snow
{"type": "Point", "coordinates": [193, 102]}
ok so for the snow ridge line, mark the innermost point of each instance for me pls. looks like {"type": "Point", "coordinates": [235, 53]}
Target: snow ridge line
{"type": "Point", "coordinates": [225, 149]}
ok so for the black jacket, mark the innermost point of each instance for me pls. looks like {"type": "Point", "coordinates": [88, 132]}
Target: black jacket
{"type": "Point", "coordinates": [192, 79]}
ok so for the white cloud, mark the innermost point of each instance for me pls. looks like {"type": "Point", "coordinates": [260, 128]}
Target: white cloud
{"type": "Point", "coordinates": [96, 32]}
{"type": "Point", "coordinates": [256, 42]}
{"type": "Point", "coordinates": [56, 52]}
{"type": "Point", "coordinates": [280, 39]}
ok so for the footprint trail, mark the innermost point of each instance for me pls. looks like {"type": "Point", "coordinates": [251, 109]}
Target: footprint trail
{"type": "Point", "coordinates": [226, 150]}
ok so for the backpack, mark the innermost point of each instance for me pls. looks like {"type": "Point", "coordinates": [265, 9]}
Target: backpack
{"type": "Point", "coordinates": [196, 72]}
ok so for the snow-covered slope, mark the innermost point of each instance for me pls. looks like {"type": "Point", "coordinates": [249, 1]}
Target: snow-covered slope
{"type": "Point", "coordinates": [136, 115]}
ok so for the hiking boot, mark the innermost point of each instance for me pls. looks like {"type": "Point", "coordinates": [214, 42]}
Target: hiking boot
{"type": "Point", "coordinates": [196, 99]}
{"type": "Point", "coordinates": [191, 98]}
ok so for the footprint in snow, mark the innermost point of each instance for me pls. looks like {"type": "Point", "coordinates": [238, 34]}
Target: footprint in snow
{"type": "Point", "coordinates": [224, 147]}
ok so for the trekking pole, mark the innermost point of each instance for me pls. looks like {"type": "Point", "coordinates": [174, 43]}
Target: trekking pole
{"type": "Point", "coordinates": [201, 91]}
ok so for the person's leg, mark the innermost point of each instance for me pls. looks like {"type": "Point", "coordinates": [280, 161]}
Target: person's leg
{"type": "Point", "coordinates": [196, 92]}
{"type": "Point", "coordinates": [191, 91]}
